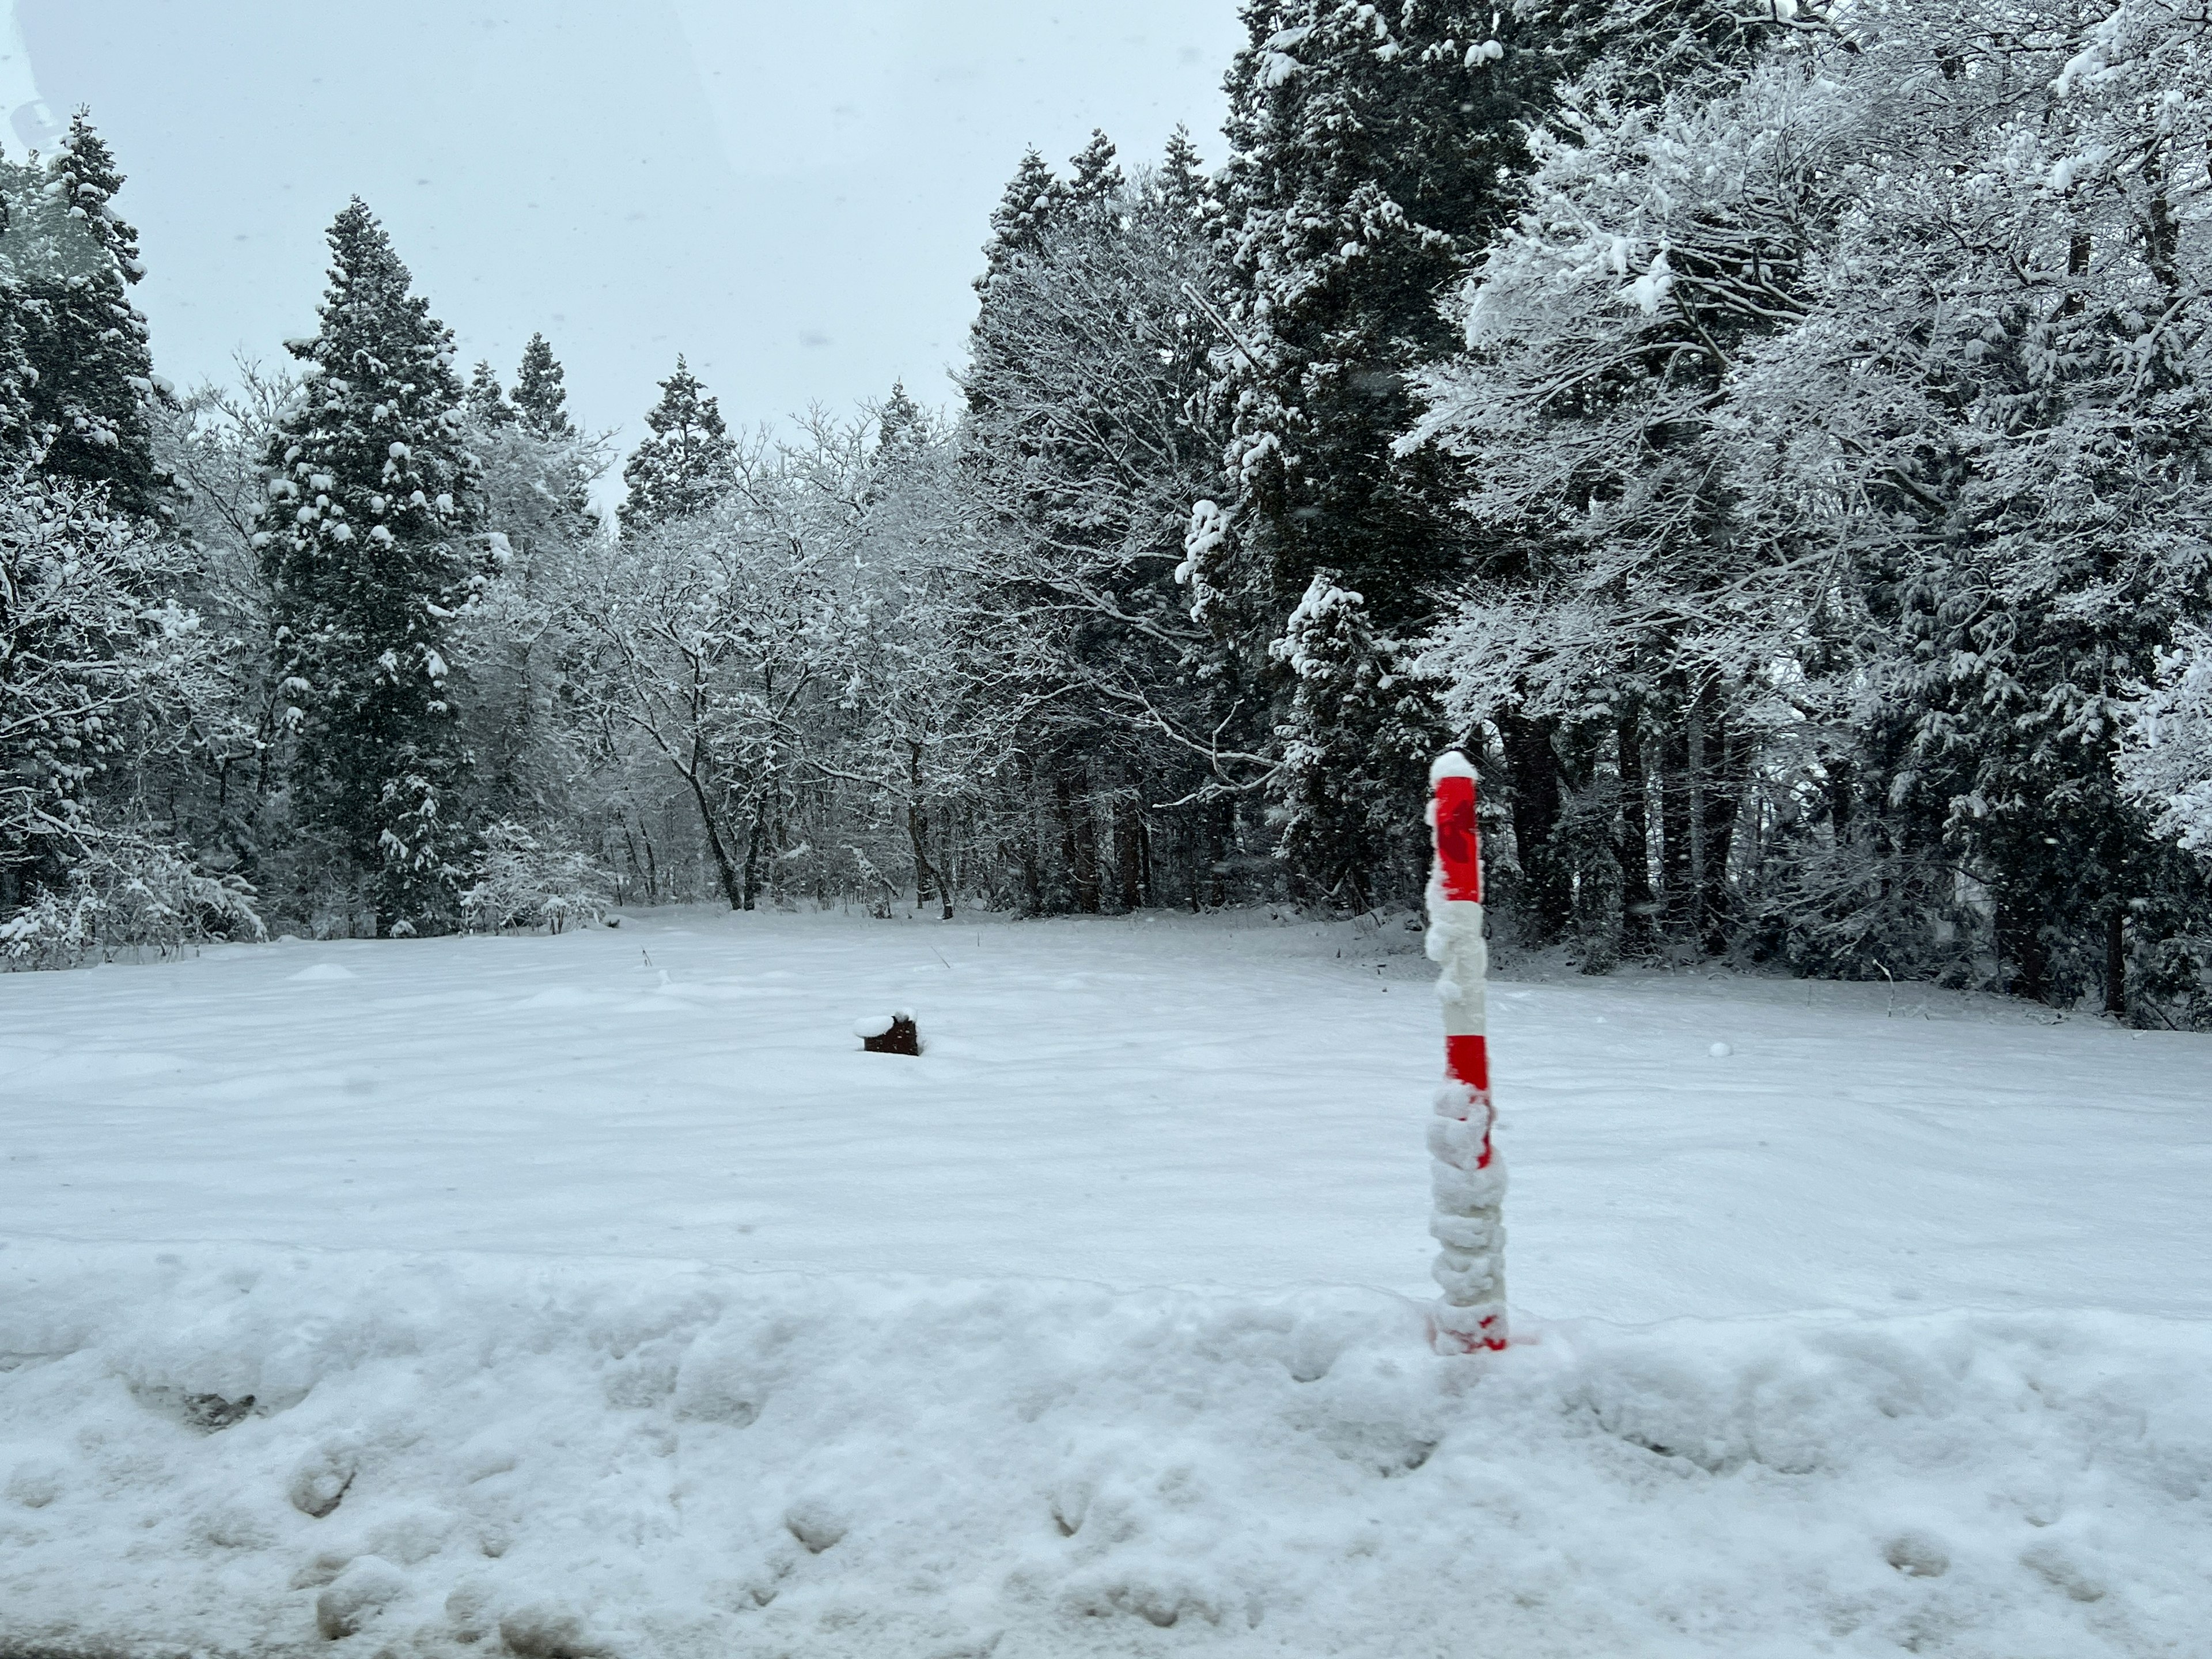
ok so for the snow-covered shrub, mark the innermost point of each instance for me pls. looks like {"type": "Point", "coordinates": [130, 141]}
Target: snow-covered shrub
{"type": "Point", "coordinates": [127, 893]}
{"type": "Point", "coordinates": [523, 880]}
{"type": "Point", "coordinates": [2166, 760]}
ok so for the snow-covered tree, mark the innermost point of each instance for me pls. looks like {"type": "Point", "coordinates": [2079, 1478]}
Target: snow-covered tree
{"type": "Point", "coordinates": [225, 795]}
{"type": "Point", "coordinates": [1830, 416]}
{"type": "Point", "coordinates": [686, 462]}
{"type": "Point", "coordinates": [1091, 429]}
{"type": "Point", "coordinates": [535, 476]}
{"type": "Point", "coordinates": [707, 643]}
{"type": "Point", "coordinates": [75, 259]}
{"type": "Point", "coordinates": [485, 399]}
{"type": "Point", "coordinates": [1018, 223]}
{"type": "Point", "coordinates": [521, 878]}
{"type": "Point", "coordinates": [1095, 176]}
{"type": "Point", "coordinates": [2166, 766]}
{"type": "Point", "coordinates": [1356, 747]}
{"type": "Point", "coordinates": [366, 535]}
{"type": "Point", "coordinates": [541, 392]}
{"type": "Point", "coordinates": [101, 670]}
{"type": "Point", "coordinates": [1368, 149]}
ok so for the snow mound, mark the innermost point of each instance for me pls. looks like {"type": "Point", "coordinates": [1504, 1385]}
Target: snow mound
{"type": "Point", "coordinates": [321, 972]}
{"type": "Point", "coordinates": [561, 996]}
{"type": "Point", "coordinates": [247, 1448]}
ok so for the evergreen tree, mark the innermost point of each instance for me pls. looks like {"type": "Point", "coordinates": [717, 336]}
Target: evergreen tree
{"type": "Point", "coordinates": [22, 193]}
{"type": "Point", "coordinates": [687, 462]}
{"type": "Point", "coordinates": [91, 400]}
{"type": "Point", "coordinates": [1018, 223]}
{"type": "Point", "coordinates": [1091, 435]}
{"type": "Point", "coordinates": [372, 495]}
{"type": "Point", "coordinates": [541, 396]}
{"type": "Point", "coordinates": [568, 461]}
{"type": "Point", "coordinates": [1356, 746]}
{"type": "Point", "coordinates": [1096, 176]}
{"type": "Point", "coordinates": [486, 400]}
{"type": "Point", "coordinates": [902, 429]}
{"type": "Point", "coordinates": [1181, 185]}
{"type": "Point", "coordinates": [1370, 149]}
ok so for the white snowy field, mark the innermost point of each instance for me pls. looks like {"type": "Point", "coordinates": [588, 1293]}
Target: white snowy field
{"type": "Point", "coordinates": [595, 1295]}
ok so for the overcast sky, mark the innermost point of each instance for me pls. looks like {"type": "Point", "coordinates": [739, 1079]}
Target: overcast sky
{"type": "Point", "coordinates": [794, 196]}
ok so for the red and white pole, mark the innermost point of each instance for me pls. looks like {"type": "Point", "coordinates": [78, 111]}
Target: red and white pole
{"type": "Point", "coordinates": [1469, 1176]}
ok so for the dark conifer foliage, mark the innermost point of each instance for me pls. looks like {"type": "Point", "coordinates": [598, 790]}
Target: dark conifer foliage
{"type": "Point", "coordinates": [1370, 148]}
{"type": "Point", "coordinates": [688, 462]}
{"type": "Point", "coordinates": [541, 394]}
{"type": "Point", "coordinates": [1096, 176]}
{"type": "Point", "coordinates": [486, 400]}
{"type": "Point", "coordinates": [1018, 223]}
{"type": "Point", "coordinates": [91, 399]}
{"type": "Point", "coordinates": [366, 540]}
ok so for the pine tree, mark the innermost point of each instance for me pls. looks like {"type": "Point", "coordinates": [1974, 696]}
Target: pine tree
{"type": "Point", "coordinates": [91, 402]}
{"type": "Point", "coordinates": [1181, 185]}
{"type": "Point", "coordinates": [541, 395]}
{"type": "Point", "coordinates": [688, 462]}
{"type": "Point", "coordinates": [486, 400]}
{"type": "Point", "coordinates": [540, 400]}
{"type": "Point", "coordinates": [1018, 223]}
{"type": "Point", "coordinates": [902, 429]}
{"type": "Point", "coordinates": [1355, 746]}
{"type": "Point", "coordinates": [372, 495]}
{"type": "Point", "coordinates": [1096, 177]}
{"type": "Point", "coordinates": [23, 195]}
{"type": "Point", "coordinates": [1369, 152]}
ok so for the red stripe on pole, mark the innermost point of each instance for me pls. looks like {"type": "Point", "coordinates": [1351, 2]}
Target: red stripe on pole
{"type": "Point", "coordinates": [1458, 848]}
{"type": "Point", "coordinates": [1491, 1336]}
{"type": "Point", "coordinates": [1467, 1060]}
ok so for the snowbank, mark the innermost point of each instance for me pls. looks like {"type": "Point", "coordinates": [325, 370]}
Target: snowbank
{"type": "Point", "coordinates": [266, 1449]}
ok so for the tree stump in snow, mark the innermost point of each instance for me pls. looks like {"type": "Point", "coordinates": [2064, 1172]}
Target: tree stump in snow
{"type": "Point", "coordinates": [890, 1034]}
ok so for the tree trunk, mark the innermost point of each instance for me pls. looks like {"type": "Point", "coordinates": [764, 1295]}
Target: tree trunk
{"type": "Point", "coordinates": [948, 870]}
{"type": "Point", "coordinates": [1678, 886]}
{"type": "Point", "coordinates": [1129, 849]}
{"type": "Point", "coordinates": [1639, 905]}
{"type": "Point", "coordinates": [1032, 873]}
{"type": "Point", "coordinates": [917, 831]}
{"type": "Point", "coordinates": [1842, 791]}
{"type": "Point", "coordinates": [1533, 766]}
{"type": "Point", "coordinates": [1079, 837]}
{"type": "Point", "coordinates": [755, 844]}
{"type": "Point", "coordinates": [2020, 941]}
{"type": "Point", "coordinates": [1220, 836]}
{"type": "Point", "coordinates": [726, 865]}
{"type": "Point", "coordinates": [1719, 796]}
{"type": "Point", "coordinates": [2116, 963]}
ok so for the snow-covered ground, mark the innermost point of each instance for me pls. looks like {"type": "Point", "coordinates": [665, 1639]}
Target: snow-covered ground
{"type": "Point", "coordinates": [603, 1298]}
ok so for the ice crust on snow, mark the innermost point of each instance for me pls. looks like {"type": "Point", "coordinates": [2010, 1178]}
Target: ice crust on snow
{"type": "Point", "coordinates": [656, 1460]}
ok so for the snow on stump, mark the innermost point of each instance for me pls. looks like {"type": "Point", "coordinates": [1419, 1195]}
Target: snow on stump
{"type": "Point", "coordinates": [1469, 1175]}
{"type": "Point", "coordinates": [888, 1033]}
